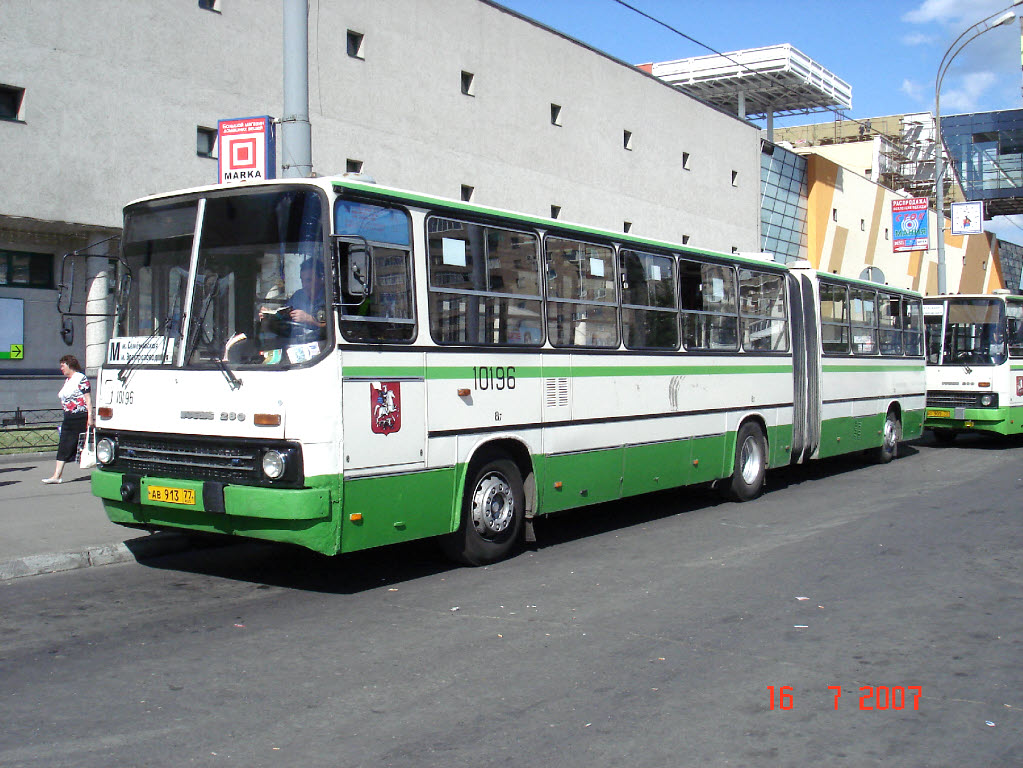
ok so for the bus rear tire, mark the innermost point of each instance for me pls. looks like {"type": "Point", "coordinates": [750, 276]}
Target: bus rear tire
{"type": "Point", "coordinates": [889, 448]}
{"type": "Point", "coordinates": [750, 465]}
{"type": "Point", "coordinates": [493, 509]}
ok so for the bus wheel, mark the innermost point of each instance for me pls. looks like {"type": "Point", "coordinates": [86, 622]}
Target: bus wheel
{"type": "Point", "coordinates": [944, 436]}
{"type": "Point", "coordinates": [492, 513]}
{"type": "Point", "coordinates": [750, 463]}
{"type": "Point", "coordinates": [892, 435]}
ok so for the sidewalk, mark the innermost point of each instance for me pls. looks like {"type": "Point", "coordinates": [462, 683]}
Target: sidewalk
{"type": "Point", "coordinates": [50, 528]}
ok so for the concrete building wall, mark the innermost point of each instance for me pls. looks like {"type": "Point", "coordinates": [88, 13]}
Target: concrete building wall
{"type": "Point", "coordinates": [115, 91]}
{"type": "Point", "coordinates": [850, 225]}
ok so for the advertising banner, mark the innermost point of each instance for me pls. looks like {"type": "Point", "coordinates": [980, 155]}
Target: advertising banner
{"type": "Point", "coordinates": [246, 149]}
{"type": "Point", "coordinates": [967, 218]}
{"type": "Point", "coordinates": [909, 225]}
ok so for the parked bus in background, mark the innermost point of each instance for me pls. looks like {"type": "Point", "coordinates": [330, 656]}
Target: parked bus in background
{"type": "Point", "coordinates": [339, 365]}
{"type": "Point", "coordinates": [974, 364]}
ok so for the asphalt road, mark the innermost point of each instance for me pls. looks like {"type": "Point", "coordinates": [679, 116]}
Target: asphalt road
{"type": "Point", "coordinates": [641, 633]}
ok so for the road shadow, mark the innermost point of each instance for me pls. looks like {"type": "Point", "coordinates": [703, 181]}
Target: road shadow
{"type": "Point", "coordinates": [293, 567]}
{"type": "Point", "coordinates": [979, 441]}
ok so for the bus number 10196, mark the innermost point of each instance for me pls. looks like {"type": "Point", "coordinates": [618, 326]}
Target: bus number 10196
{"type": "Point", "coordinates": [493, 377]}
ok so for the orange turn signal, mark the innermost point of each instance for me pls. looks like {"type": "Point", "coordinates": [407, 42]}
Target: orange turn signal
{"type": "Point", "coordinates": [464, 392]}
{"type": "Point", "coordinates": [105, 412]}
{"type": "Point", "coordinates": [266, 419]}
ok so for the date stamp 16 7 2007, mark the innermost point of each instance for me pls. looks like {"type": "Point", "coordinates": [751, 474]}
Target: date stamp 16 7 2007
{"type": "Point", "coordinates": [872, 697]}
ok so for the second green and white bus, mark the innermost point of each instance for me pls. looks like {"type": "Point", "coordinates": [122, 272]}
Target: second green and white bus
{"type": "Point", "coordinates": [340, 365]}
{"type": "Point", "coordinates": [974, 364]}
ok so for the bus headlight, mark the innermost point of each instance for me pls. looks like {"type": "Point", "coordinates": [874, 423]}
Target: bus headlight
{"type": "Point", "coordinates": [105, 450]}
{"type": "Point", "coordinates": [274, 464]}
{"type": "Point", "coordinates": [986, 400]}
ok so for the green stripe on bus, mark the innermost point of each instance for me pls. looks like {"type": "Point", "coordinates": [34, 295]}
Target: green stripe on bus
{"type": "Point", "coordinates": [444, 372]}
{"type": "Point", "coordinates": [840, 368]}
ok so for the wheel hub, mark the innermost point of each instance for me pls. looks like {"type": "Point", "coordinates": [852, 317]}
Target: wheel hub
{"type": "Point", "coordinates": [493, 506]}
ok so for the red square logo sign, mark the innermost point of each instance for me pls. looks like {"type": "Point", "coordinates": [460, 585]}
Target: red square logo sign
{"type": "Point", "coordinates": [247, 150]}
{"type": "Point", "coordinates": [243, 153]}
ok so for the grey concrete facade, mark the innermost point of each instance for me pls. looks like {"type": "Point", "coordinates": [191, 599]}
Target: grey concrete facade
{"type": "Point", "coordinates": [115, 90]}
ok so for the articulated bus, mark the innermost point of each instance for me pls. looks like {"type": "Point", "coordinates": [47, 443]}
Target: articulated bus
{"type": "Point", "coordinates": [974, 364]}
{"type": "Point", "coordinates": [339, 365]}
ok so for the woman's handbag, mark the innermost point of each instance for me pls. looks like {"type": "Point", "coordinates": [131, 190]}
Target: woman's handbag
{"type": "Point", "coordinates": [87, 448]}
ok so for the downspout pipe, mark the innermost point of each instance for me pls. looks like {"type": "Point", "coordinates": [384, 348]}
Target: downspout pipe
{"type": "Point", "coordinates": [296, 131]}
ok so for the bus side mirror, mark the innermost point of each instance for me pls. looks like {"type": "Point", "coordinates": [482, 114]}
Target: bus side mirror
{"type": "Point", "coordinates": [122, 296]}
{"type": "Point", "coordinates": [359, 274]}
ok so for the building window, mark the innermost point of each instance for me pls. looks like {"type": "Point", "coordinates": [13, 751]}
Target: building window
{"type": "Point", "coordinates": [627, 227]}
{"type": "Point", "coordinates": [685, 239]}
{"type": "Point", "coordinates": [627, 139]}
{"type": "Point", "coordinates": [685, 161]}
{"type": "Point", "coordinates": [468, 83]}
{"type": "Point", "coordinates": [353, 166]}
{"type": "Point", "coordinates": [555, 211]}
{"type": "Point", "coordinates": [356, 41]}
{"type": "Point", "coordinates": [555, 114]}
{"type": "Point", "coordinates": [467, 193]}
{"type": "Point", "coordinates": [210, 5]}
{"type": "Point", "coordinates": [12, 100]}
{"type": "Point", "coordinates": [735, 178]}
{"type": "Point", "coordinates": [26, 270]}
{"type": "Point", "coordinates": [205, 141]}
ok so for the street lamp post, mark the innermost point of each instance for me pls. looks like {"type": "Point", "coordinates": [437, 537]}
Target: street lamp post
{"type": "Point", "coordinates": [957, 46]}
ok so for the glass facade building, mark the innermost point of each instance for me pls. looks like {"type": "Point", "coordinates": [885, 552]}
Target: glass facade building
{"type": "Point", "coordinates": [783, 203]}
{"type": "Point", "coordinates": [986, 151]}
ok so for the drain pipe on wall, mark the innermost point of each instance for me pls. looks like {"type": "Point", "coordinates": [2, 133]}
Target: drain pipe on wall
{"type": "Point", "coordinates": [296, 132]}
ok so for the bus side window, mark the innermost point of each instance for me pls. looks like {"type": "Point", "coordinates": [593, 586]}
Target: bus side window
{"type": "Point", "coordinates": [582, 307]}
{"type": "Point", "coordinates": [834, 319]}
{"type": "Point", "coordinates": [709, 306]}
{"type": "Point", "coordinates": [762, 311]}
{"type": "Point", "coordinates": [1014, 328]}
{"type": "Point", "coordinates": [890, 324]}
{"type": "Point", "coordinates": [484, 284]}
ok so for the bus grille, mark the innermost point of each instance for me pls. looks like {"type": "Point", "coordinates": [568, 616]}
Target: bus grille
{"type": "Point", "coordinates": [186, 459]}
{"type": "Point", "coordinates": [951, 399]}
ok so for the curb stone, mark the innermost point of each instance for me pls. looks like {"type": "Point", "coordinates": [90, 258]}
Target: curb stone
{"type": "Point", "coordinates": [141, 548]}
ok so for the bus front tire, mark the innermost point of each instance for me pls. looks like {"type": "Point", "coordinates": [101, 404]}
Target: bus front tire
{"type": "Point", "coordinates": [493, 509]}
{"type": "Point", "coordinates": [889, 448]}
{"type": "Point", "coordinates": [750, 463]}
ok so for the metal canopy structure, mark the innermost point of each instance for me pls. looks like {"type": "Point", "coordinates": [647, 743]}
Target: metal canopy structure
{"type": "Point", "coordinates": [758, 83]}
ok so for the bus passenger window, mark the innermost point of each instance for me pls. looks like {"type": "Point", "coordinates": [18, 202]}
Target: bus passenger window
{"type": "Point", "coordinates": [889, 322]}
{"type": "Point", "coordinates": [582, 308]}
{"type": "Point", "coordinates": [834, 319]}
{"type": "Point", "coordinates": [484, 284]}
{"type": "Point", "coordinates": [763, 311]}
{"type": "Point", "coordinates": [649, 305]}
{"type": "Point", "coordinates": [707, 294]}
{"type": "Point", "coordinates": [863, 314]}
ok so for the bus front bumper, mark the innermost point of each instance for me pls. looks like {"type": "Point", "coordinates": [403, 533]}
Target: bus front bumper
{"type": "Point", "coordinates": [294, 515]}
{"type": "Point", "coordinates": [997, 420]}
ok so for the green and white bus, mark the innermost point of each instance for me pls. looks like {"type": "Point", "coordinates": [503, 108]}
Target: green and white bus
{"type": "Point", "coordinates": [455, 371]}
{"type": "Point", "coordinates": [974, 364]}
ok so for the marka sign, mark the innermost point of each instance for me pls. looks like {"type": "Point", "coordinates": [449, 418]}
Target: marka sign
{"type": "Point", "coordinates": [246, 149]}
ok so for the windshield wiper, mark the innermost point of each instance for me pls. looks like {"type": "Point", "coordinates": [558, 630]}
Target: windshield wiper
{"type": "Point", "coordinates": [233, 381]}
{"type": "Point", "coordinates": [133, 362]}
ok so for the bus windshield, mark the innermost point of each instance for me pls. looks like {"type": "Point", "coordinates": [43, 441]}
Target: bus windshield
{"type": "Point", "coordinates": [973, 334]}
{"type": "Point", "coordinates": [257, 293]}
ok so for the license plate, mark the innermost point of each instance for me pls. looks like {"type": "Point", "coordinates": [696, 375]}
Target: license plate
{"type": "Point", "coordinates": [171, 495]}
{"type": "Point", "coordinates": [935, 414]}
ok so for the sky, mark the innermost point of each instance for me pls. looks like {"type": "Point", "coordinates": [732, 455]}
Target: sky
{"type": "Point", "coordinates": [889, 52]}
